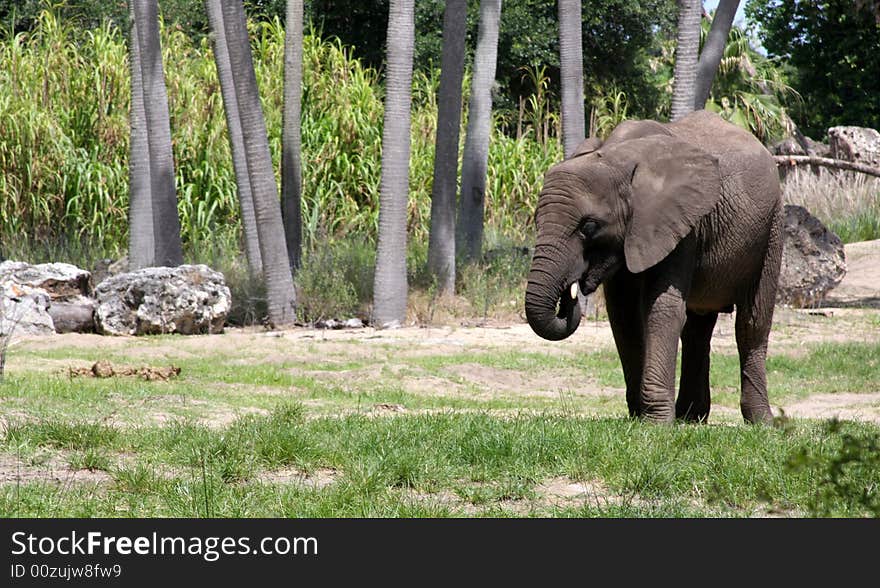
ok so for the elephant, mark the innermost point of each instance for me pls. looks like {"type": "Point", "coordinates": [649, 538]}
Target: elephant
{"type": "Point", "coordinates": [678, 222]}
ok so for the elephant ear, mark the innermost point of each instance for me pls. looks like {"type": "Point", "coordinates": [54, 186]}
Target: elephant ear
{"type": "Point", "coordinates": [586, 147]}
{"type": "Point", "coordinates": [673, 185]}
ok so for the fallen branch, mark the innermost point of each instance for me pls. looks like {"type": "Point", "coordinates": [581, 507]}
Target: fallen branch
{"type": "Point", "coordinates": [827, 162]}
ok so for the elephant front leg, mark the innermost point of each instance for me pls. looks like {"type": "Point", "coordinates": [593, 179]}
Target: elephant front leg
{"type": "Point", "coordinates": [693, 391]}
{"type": "Point", "coordinates": [664, 319]}
{"type": "Point", "coordinates": [623, 301]}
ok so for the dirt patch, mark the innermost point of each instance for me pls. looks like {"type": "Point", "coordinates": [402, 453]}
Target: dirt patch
{"type": "Point", "coordinates": [223, 417]}
{"type": "Point", "coordinates": [443, 499]}
{"type": "Point", "coordinates": [385, 408]}
{"type": "Point", "coordinates": [162, 409]}
{"type": "Point", "coordinates": [560, 492]}
{"type": "Point", "coordinates": [11, 415]}
{"type": "Point", "coordinates": [564, 491]}
{"type": "Point", "coordinates": [53, 469]}
{"type": "Point", "coordinates": [861, 285]}
{"type": "Point", "coordinates": [318, 479]}
{"type": "Point", "coordinates": [848, 406]}
{"type": "Point", "coordinates": [434, 386]}
{"type": "Point", "coordinates": [522, 383]}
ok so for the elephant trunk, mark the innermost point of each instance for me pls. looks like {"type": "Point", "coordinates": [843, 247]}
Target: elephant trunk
{"type": "Point", "coordinates": [552, 307]}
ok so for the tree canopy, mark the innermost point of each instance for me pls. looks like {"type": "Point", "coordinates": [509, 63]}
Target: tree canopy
{"type": "Point", "coordinates": [620, 38]}
{"type": "Point", "coordinates": [833, 48]}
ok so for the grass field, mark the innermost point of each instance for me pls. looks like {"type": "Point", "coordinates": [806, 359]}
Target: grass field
{"type": "Point", "coordinates": [431, 422]}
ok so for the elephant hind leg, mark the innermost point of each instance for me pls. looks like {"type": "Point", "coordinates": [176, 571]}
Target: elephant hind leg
{"type": "Point", "coordinates": [693, 396]}
{"type": "Point", "coordinates": [751, 339]}
{"type": "Point", "coordinates": [754, 317]}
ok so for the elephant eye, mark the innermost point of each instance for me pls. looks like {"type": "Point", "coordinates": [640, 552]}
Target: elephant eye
{"type": "Point", "coordinates": [588, 228]}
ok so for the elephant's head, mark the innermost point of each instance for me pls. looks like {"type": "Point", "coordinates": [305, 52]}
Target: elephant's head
{"type": "Point", "coordinates": [627, 201]}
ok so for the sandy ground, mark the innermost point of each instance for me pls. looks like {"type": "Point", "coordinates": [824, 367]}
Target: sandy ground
{"type": "Point", "coordinates": [861, 285]}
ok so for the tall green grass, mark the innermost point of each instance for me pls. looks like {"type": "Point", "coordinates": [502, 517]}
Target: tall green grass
{"type": "Point", "coordinates": [64, 101]}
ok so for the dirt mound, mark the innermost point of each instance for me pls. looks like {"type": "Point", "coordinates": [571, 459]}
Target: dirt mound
{"type": "Point", "coordinates": [104, 369]}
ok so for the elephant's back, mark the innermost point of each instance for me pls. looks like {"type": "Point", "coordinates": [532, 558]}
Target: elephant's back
{"type": "Point", "coordinates": [718, 137]}
{"type": "Point", "coordinates": [732, 238]}
{"type": "Point", "coordinates": [748, 171]}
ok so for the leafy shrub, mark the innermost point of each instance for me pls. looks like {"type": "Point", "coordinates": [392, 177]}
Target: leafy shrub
{"type": "Point", "coordinates": [841, 469]}
{"type": "Point", "coordinates": [335, 281]}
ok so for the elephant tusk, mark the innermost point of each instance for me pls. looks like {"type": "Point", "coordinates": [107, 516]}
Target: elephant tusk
{"type": "Point", "coordinates": [574, 290]}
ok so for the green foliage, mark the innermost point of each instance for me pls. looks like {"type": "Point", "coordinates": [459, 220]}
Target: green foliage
{"type": "Point", "coordinates": [62, 434]}
{"type": "Point", "coordinates": [749, 89]}
{"type": "Point", "coordinates": [24, 15]}
{"type": "Point", "coordinates": [63, 118]}
{"type": "Point", "coordinates": [864, 225]}
{"type": "Point", "coordinates": [845, 468]}
{"type": "Point", "coordinates": [622, 41]}
{"type": "Point", "coordinates": [335, 281]}
{"type": "Point", "coordinates": [620, 38]}
{"type": "Point", "coordinates": [538, 110]}
{"type": "Point", "coordinates": [609, 110]}
{"type": "Point", "coordinates": [497, 281]}
{"type": "Point", "coordinates": [89, 459]}
{"type": "Point", "coordinates": [834, 48]}
{"type": "Point", "coordinates": [64, 100]}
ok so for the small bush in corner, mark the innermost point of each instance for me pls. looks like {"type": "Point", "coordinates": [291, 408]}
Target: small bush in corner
{"type": "Point", "coordinates": [846, 469]}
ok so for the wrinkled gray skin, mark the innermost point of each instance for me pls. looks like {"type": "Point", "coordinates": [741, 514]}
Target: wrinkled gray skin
{"type": "Point", "coordinates": [679, 221]}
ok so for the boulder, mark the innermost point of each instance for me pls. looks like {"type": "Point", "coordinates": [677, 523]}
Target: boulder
{"type": "Point", "coordinates": [352, 323]}
{"type": "Point", "coordinates": [189, 299]}
{"type": "Point", "coordinates": [24, 310]}
{"type": "Point", "coordinates": [62, 281]}
{"type": "Point", "coordinates": [856, 144]}
{"type": "Point", "coordinates": [104, 268]}
{"type": "Point", "coordinates": [790, 146]}
{"type": "Point", "coordinates": [47, 297]}
{"type": "Point", "coordinates": [813, 260]}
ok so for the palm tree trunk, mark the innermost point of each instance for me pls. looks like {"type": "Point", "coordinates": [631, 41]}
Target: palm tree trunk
{"type": "Point", "coordinates": [141, 243]}
{"type": "Point", "coordinates": [713, 50]}
{"type": "Point", "coordinates": [469, 231]}
{"type": "Point", "coordinates": [291, 137]}
{"type": "Point", "coordinates": [441, 238]}
{"type": "Point", "coordinates": [390, 287]}
{"type": "Point", "coordinates": [686, 52]}
{"type": "Point", "coordinates": [236, 144]}
{"type": "Point", "coordinates": [571, 58]}
{"type": "Point", "coordinates": [166, 222]}
{"type": "Point", "coordinates": [281, 298]}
